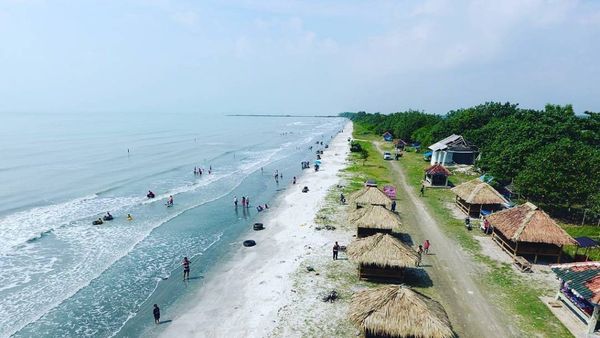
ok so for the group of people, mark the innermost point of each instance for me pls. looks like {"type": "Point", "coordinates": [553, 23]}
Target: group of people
{"type": "Point", "coordinates": [277, 175]}
{"type": "Point", "coordinates": [109, 217]}
{"type": "Point", "coordinates": [423, 249]}
{"type": "Point", "coordinates": [245, 201]}
{"type": "Point", "coordinates": [200, 171]}
{"type": "Point", "coordinates": [305, 164]}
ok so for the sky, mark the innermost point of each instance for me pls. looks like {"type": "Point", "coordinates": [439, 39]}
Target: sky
{"type": "Point", "coordinates": [295, 57]}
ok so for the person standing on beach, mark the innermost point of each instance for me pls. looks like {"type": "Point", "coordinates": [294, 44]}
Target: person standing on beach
{"type": "Point", "coordinates": [336, 248]}
{"type": "Point", "coordinates": [422, 190]}
{"type": "Point", "coordinates": [243, 201]}
{"type": "Point", "coordinates": [156, 313]}
{"type": "Point", "coordinates": [186, 268]}
{"type": "Point", "coordinates": [393, 208]}
{"type": "Point", "coordinates": [247, 202]}
{"type": "Point", "coordinates": [426, 245]}
{"type": "Point", "coordinates": [235, 201]}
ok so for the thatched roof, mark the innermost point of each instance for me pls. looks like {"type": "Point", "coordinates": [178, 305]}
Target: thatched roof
{"type": "Point", "coordinates": [375, 217]}
{"type": "Point", "coordinates": [397, 311]}
{"type": "Point", "coordinates": [477, 192]}
{"type": "Point", "coordinates": [527, 223]}
{"type": "Point", "coordinates": [371, 196]}
{"type": "Point", "coordinates": [382, 250]}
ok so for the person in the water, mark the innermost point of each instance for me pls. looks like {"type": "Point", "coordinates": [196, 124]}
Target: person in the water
{"type": "Point", "coordinates": [186, 268]}
{"type": "Point", "coordinates": [170, 202]}
{"type": "Point", "coordinates": [129, 217]}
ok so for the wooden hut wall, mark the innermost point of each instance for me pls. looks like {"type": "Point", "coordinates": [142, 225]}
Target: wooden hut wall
{"type": "Point", "coordinates": [375, 272]}
{"type": "Point", "coordinates": [527, 248]}
{"type": "Point", "coordinates": [474, 210]}
{"type": "Point", "coordinates": [366, 232]}
{"type": "Point", "coordinates": [438, 180]}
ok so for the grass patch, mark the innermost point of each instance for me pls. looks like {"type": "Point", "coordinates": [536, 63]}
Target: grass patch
{"type": "Point", "coordinates": [590, 231]}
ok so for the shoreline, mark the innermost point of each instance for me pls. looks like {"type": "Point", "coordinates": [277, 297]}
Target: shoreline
{"type": "Point", "coordinates": [254, 284]}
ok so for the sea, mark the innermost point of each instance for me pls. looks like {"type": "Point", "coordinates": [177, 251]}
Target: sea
{"type": "Point", "coordinates": [62, 276]}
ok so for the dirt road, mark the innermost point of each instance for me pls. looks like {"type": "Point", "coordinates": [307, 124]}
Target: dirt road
{"type": "Point", "coordinates": [451, 270]}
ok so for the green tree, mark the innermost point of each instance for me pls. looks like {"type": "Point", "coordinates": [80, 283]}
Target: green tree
{"type": "Point", "coordinates": [561, 174]}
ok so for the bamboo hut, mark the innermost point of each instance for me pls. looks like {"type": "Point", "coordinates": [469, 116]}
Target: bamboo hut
{"type": "Point", "coordinates": [475, 195]}
{"type": "Point", "coordinates": [381, 256]}
{"type": "Point", "coordinates": [527, 230]}
{"type": "Point", "coordinates": [373, 220]}
{"type": "Point", "coordinates": [398, 311]}
{"type": "Point", "coordinates": [371, 196]}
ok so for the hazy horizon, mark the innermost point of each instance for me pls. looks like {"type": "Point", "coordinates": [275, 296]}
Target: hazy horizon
{"type": "Point", "coordinates": [292, 57]}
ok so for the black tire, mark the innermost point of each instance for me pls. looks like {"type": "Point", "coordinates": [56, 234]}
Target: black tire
{"type": "Point", "coordinates": [249, 243]}
{"type": "Point", "coordinates": [258, 226]}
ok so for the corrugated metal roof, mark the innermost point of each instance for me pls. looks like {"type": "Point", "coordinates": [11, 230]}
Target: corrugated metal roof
{"type": "Point", "coordinates": [583, 277]}
{"type": "Point", "coordinates": [586, 242]}
{"type": "Point", "coordinates": [443, 144]}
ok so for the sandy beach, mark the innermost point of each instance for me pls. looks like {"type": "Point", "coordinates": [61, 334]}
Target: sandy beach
{"type": "Point", "coordinates": [244, 296]}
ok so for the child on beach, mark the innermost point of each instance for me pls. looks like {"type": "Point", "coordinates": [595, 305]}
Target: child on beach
{"type": "Point", "coordinates": [235, 201]}
{"type": "Point", "coordinates": [426, 245]}
{"type": "Point", "coordinates": [243, 201]}
{"type": "Point", "coordinates": [419, 254]}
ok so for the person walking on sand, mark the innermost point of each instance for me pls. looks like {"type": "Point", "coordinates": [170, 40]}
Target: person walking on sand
{"type": "Point", "coordinates": [156, 313]}
{"type": "Point", "coordinates": [235, 201]}
{"type": "Point", "coordinates": [336, 248]}
{"type": "Point", "coordinates": [393, 208]}
{"type": "Point", "coordinates": [419, 254]}
{"type": "Point", "coordinates": [422, 190]}
{"type": "Point", "coordinates": [186, 268]}
{"type": "Point", "coordinates": [294, 181]}
{"type": "Point", "coordinates": [426, 245]}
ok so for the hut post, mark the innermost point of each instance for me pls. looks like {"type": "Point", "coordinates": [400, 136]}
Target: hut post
{"type": "Point", "coordinates": [593, 320]}
{"type": "Point", "coordinates": [516, 249]}
{"type": "Point", "coordinates": [446, 184]}
{"type": "Point", "coordinates": [560, 251]}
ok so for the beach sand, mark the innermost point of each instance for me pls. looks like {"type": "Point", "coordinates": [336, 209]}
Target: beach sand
{"type": "Point", "coordinates": [246, 296]}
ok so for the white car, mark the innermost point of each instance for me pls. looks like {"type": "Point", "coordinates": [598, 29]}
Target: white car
{"type": "Point", "coordinates": [387, 155]}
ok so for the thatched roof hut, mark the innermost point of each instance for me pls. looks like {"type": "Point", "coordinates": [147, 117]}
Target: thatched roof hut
{"type": "Point", "coordinates": [382, 250]}
{"type": "Point", "coordinates": [397, 311]}
{"type": "Point", "coordinates": [527, 230]}
{"type": "Point", "coordinates": [374, 219]}
{"type": "Point", "coordinates": [371, 196]}
{"type": "Point", "coordinates": [475, 195]}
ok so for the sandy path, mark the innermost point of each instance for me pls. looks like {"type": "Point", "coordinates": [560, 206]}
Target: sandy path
{"type": "Point", "coordinates": [242, 298]}
{"type": "Point", "coordinates": [451, 270]}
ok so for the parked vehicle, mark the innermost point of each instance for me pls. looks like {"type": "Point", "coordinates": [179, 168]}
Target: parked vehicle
{"type": "Point", "coordinates": [387, 155]}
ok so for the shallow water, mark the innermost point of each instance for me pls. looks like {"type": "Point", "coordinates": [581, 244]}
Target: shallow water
{"type": "Point", "coordinates": [62, 276]}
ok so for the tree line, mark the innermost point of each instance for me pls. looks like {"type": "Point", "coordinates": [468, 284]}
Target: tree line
{"type": "Point", "coordinates": [552, 156]}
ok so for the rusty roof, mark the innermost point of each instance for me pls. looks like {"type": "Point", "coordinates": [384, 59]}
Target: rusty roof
{"type": "Point", "coordinates": [583, 277]}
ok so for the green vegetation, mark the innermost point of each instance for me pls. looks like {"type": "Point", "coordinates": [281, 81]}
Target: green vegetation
{"type": "Point", "coordinates": [590, 231]}
{"type": "Point", "coordinates": [551, 155]}
{"type": "Point", "coordinates": [509, 289]}
{"type": "Point", "coordinates": [364, 167]}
